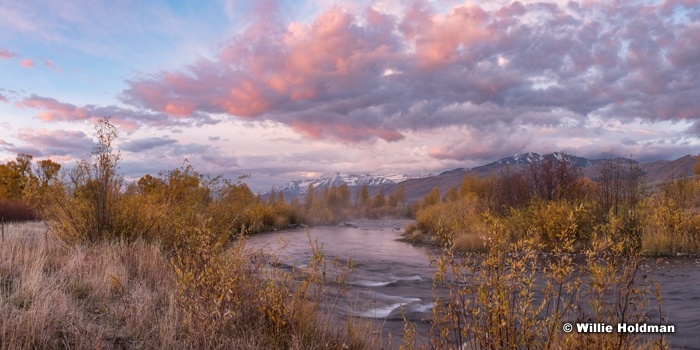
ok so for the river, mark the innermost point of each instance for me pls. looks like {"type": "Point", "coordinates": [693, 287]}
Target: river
{"type": "Point", "coordinates": [393, 279]}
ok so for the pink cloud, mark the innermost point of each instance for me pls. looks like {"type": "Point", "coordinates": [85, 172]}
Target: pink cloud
{"type": "Point", "coordinates": [51, 110]}
{"type": "Point", "coordinates": [357, 76]}
{"type": "Point", "coordinates": [27, 63]}
{"type": "Point", "coordinates": [331, 48]}
{"type": "Point", "coordinates": [7, 54]}
{"type": "Point", "coordinates": [464, 26]}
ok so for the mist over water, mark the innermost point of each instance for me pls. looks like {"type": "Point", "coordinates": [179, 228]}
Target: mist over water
{"type": "Point", "coordinates": [392, 279]}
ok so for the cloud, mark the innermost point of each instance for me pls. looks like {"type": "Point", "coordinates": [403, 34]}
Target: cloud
{"type": "Point", "coordinates": [27, 63]}
{"type": "Point", "coordinates": [52, 66]}
{"type": "Point", "coordinates": [126, 118]}
{"type": "Point", "coordinates": [480, 146]}
{"type": "Point", "coordinates": [221, 161]}
{"type": "Point", "coordinates": [7, 54]}
{"type": "Point", "coordinates": [155, 154]}
{"type": "Point", "coordinates": [47, 143]}
{"type": "Point", "coordinates": [142, 145]}
{"type": "Point", "coordinates": [364, 75]}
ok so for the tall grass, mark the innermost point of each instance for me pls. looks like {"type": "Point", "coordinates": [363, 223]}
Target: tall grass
{"type": "Point", "coordinates": [107, 295]}
{"type": "Point", "coordinates": [127, 295]}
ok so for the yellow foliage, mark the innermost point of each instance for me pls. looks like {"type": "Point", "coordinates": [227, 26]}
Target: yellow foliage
{"type": "Point", "coordinates": [446, 219]}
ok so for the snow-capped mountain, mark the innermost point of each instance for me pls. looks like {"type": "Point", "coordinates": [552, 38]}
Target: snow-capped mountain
{"type": "Point", "coordinates": [296, 187]}
{"type": "Point", "coordinates": [531, 157]}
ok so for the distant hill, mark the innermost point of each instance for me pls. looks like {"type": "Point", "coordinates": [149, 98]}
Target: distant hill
{"type": "Point", "coordinates": [664, 170]}
{"type": "Point", "coordinates": [417, 186]}
{"type": "Point", "coordinates": [297, 188]}
{"type": "Point", "coordinates": [655, 172]}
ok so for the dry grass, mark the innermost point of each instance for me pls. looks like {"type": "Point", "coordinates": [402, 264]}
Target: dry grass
{"type": "Point", "coordinates": [469, 242]}
{"type": "Point", "coordinates": [116, 295]}
{"type": "Point", "coordinates": [107, 295]}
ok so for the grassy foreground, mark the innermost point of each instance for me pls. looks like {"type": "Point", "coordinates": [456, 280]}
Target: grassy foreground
{"type": "Point", "coordinates": [117, 295]}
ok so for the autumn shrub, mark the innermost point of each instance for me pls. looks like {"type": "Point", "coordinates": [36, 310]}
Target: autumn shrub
{"type": "Point", "coordinates": [512, 297]}
{"type": "Point", "coordinates": [473, 242]}
{"type": "Point", "coordinates": [234, 294]}
{"type": "Point", "coordinates": [671, 219]}
{"type": "Point", "coordinates": [545, 220]}
{"type": "Point", "coordinates": [446, 220]}
{"type": "Point", "coordinates": [411, 233]}
{"type": "Point", "coordinates": [87, 204]}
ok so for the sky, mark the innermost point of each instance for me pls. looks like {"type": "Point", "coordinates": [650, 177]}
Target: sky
{"type": "Point", "coordinates": [285, 90]}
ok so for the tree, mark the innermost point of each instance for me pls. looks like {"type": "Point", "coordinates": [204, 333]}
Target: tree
{"type": "Point", "coordinates": [452, 194]}
{"type": "Point", "coordinates": [280, 198]}
{"type": "Point", "coordinates": [148, 184]}
{"type": "Point", "coordinates": [398, 196]}
{"type": "Point", "coordinates": [472, 183]}
{"type": "Point", "coordinates": [618, 185]}
{"type": "Point", "coordinates": [102, 184]}
{"type": "Point", "coordinates": [15, 177]}
{"type": "Point", "coordinates": [363, 197]}
{"type": "Point", "coordinates": [432, 198]}
{"type": "Point", "coordinates": [272, 197]}
{"type": "Point", "coordinates": [379, 199]}
{"type": "Point", "coordinates": [309, 198]}
{"type": "Point", "coordinates": [554, 178]}
{"type": "Point", "coordinates": [47, 171]}
{"type": "Point", "coordinates": [87, 206]}
{"type": "Point", "coordinates": [508, 190]}
{"type": "Point", "coordinates": [337, 199]}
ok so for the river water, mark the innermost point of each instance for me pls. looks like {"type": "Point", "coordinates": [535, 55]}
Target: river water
{"type": "Point", "coordinates": [392, 279]}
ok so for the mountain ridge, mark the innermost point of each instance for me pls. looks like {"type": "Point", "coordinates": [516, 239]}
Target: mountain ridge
{"type": "Point", "coordinates": [301, 186]}
{"type": "Point", "coordinates": [417, 186]}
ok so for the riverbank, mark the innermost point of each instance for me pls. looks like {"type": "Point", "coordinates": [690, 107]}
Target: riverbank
{"type": "Point", "coordinates": [130, 295]}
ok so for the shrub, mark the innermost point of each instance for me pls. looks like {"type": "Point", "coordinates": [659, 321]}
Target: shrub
{"type": "Point", "coordinates": [231, 293]}
{"type": "Point", "coordinates": [13, 210]}
{"type": "Point", "coordinates": [544, 221]}
{"type": "Point", "coordinates": [492, 300]}
{"type": "Point", "coordinates": [87, 205]}
{"type": "Point", "coordinates": [446, 219]}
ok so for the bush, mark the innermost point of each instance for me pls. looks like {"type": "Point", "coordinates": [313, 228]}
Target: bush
{"type": "Point", "coordinates": [13, 210]}
{"type": "Point", "coordinates": [668, 228]}
{"type": "Point", "coordinates": [493, 300]}
{"type": "Point", "coordinates": [544, 221]}
{"type": "Point", "coordinates": [447, 219]}
{"type": "Point", "coordinates": [88, 205]}
{"type": "Point", "coordinates": [231, 293]}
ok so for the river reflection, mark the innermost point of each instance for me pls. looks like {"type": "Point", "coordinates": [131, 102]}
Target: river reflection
{"type": "Point", "coordinates": [393, 279]}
